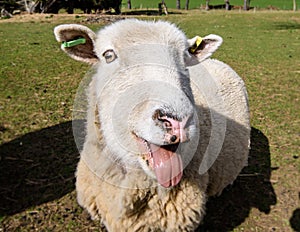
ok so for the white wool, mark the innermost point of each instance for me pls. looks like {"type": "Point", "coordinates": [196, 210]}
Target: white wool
{"type": "Point", "coordinates": [150, 71]}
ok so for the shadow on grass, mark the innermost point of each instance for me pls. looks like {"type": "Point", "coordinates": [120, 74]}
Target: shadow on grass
{"type": "Point", "coordinates": [295, 220]}
{"type": "Point", "coordinates": [36, 168]}
{"type": "Point", "coordinates": [251, 189]}
{"type": "Point", "coordinates": [287, 26]}
{"type": "Point", "coordinates": [39, 167]}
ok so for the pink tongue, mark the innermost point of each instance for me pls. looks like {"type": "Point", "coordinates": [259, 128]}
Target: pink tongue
{"type": "Point", "coordinates": [167, 166]}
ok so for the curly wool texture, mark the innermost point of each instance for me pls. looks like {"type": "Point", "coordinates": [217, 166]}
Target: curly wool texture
{"type": "Point", "coordinates": [178, 209]}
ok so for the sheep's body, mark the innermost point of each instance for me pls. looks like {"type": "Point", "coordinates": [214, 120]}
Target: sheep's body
{"type": "Point", "coordinates": [120, 189]}
{"type": "Point", "coordinates": [178, 209]}
{"type": "Point", "coordinates": [234, 110]}
{"type": "Point", "coordinates": [135, 208]}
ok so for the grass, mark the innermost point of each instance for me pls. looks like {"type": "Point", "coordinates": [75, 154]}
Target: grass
{"type": "Point", "coordinates": [38, 156]}
{"type": "Point", "coordinates": [280, 4]}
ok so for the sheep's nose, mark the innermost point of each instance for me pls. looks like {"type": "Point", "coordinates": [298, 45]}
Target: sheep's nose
{"type": "Point", "coordinates": [175, 130]}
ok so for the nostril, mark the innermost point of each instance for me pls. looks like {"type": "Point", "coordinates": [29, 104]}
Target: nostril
{"type": "Point", "coordinates": [167, 124]}
{"type": "Point", "coordinates": [173, 138]}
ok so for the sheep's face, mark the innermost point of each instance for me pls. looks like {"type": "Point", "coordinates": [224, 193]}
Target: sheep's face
{"type": "Point", "coordinates": [143, 96]}
{"type": "Point", "coordinates": [146, 109]}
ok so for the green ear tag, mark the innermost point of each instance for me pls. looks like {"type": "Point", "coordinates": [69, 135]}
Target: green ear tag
{"type": "Point", "coordinates": [73, 43]}
{"type": "Point", "coordinates": [196, 45]}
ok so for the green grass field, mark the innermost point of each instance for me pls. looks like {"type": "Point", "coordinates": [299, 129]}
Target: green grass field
{"type": "Point", "coordinates": [38, 83]}
{"type": "Point", "coordinates": [280, 4]}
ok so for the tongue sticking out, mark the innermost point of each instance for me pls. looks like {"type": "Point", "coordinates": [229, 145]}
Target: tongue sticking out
{"type": "Point", "coordinates": [167, 165]}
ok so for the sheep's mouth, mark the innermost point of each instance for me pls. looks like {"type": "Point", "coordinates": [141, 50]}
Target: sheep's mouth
{"type": "Point", "coordinates": [164, 160]}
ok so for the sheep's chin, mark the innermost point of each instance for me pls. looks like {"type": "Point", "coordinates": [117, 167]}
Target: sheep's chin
{"type": "Point", "coordinates": [162, 162]}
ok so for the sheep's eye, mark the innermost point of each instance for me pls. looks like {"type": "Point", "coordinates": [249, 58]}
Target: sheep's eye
{"type": "Point", "coordinates": [109, 56]}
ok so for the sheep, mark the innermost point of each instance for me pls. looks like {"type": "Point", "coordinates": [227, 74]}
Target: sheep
{"type": "Point", "coordinates": [167, 126]}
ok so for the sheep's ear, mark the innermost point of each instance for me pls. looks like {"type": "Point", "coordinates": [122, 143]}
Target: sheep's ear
{"type": "Point", "coordinates": [77, 41]}
{"type": "Point", "coordinates": [202, 48]}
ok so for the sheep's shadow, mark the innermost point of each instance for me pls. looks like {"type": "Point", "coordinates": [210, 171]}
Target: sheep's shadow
{"type": "Point", "coordinates": [36, 168]}
{"type": "Point", "coordinates": [251, 189]}
{"type": "Point", "coordinates": [295, 220]}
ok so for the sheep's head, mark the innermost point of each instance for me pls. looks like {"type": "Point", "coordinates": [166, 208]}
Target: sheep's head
{"type": "Point", "coordinates": [144, 99]}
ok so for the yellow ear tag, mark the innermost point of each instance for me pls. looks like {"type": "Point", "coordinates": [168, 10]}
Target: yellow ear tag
{"type": "Point", "coordinates": [196, 45]}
